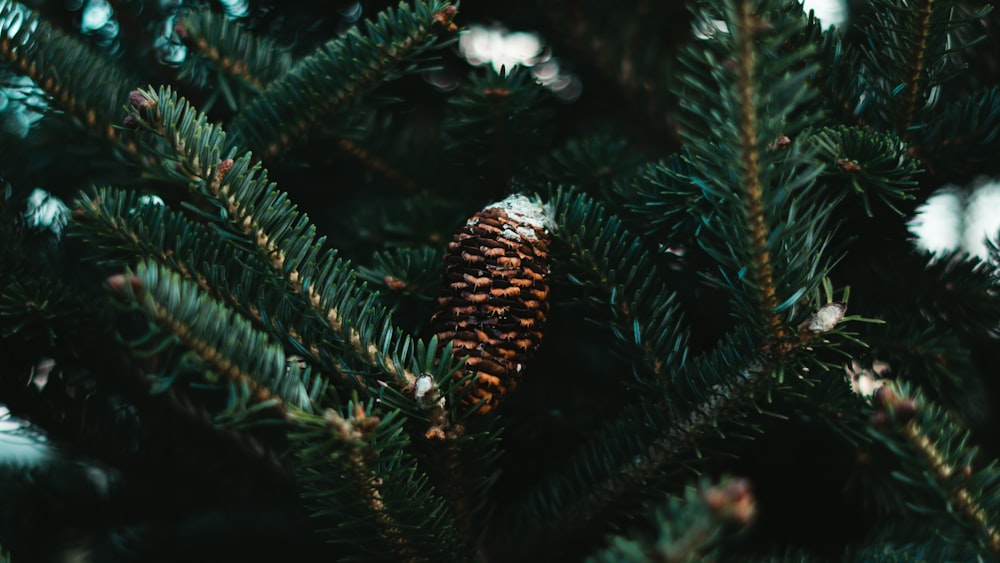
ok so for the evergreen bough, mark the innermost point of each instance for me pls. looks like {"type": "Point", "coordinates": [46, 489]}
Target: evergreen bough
{"type": "Point", "coordinates": [218, 378]}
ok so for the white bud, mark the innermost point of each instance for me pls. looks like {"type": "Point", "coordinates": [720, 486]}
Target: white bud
{"type": "Point", "coordinates": [827, 317]}
{"type": "Point", "coordinates": [863, 381]}
{"type": "Point", "coordinates": [425, 390]}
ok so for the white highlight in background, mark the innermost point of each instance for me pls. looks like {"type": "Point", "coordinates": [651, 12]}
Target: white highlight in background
{"type": "Point", "coordinates": [946, 223]}
{"type": "Point", "coordinates": [829, 12]}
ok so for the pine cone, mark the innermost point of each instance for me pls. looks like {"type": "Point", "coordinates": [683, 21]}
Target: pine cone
{"type": "Point", "coordinates": [493, 299]}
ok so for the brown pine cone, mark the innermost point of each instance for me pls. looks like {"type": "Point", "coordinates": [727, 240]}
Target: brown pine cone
{"type": "Point", "coordinates": [493, 299]}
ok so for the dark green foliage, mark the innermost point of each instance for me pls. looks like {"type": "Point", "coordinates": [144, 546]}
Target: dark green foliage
{"type": "Point", "coordinates": [964, 133]}
{"type": "Point", "coordinates": [732, 289]}
{"type": "Point", "coordinates": [344, 69]}
{"type": "Point", "coordinates": [686, 528]}
{"type": "Point", "coordinates": [952, 482]}
{"type": "Point", "coordinates": [36, 309]}
{"type": "Point", "coordinates": [868, 163]}
{"type": "Point", "coordinates": [410, 271]}
{"type": "Point", "coordinates": [350, 463]}
{"type": "Point", "coordinates": [504, 115]}
{"type": "Point", "coordinates": [592, 163]}
{"type": "Point", "coordinates": [253, 61]}
{"type": "Point", "coordinates": [92, 93]}
{"type": "Point", "coordinates": [644, 316]}
{"type": "Point", "coordinates": [663, 200]}
{"type": "Point", "coordinates": [226, 344]}
{"type": "Point", "coordinates": [911, 51]}
{"type": "Point", "coordinates": [771, 209]}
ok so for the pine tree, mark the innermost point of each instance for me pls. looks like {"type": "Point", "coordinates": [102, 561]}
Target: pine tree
{"type": "Point", "coordinates": [299, 283]}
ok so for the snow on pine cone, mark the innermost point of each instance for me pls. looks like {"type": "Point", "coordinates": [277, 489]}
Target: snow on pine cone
{"type": "Point", "coordinates": [493, 298]}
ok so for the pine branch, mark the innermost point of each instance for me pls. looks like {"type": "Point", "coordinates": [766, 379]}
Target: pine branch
{"type": "Point", "coordinates": [713, 397]}
{"type": "Point", "coordinates": [642, 451]}
{"type": "Point", "coordinates": [365, 481]}
{"type": "Point", "coordinates": [410, 271]}
{"type": "Point", "coordinates": [259, 214]}
{"type": "Point", "coordinates": [81, 81]}
{"type": "Point", "coordinates": [687, 528]}
{"type": "Point", "coordinates": [339, 73]}
{"type": "Point", "coordinates": [497, 123]}
{"type": "Point", "coordinates": [91, 396]}
{"type": "Point", "coordinates": [936, 359]}
{"type": "Point", "coordinates": [645, 316]}
{"type": "Point", "coordinates": [360, 481]}
{"type": "Point", "coordinates": [128, 227]}
{"type": "Point", "coordinates": [662, 200]}
{"type": "Point", "coordinates": [911, 50]}
{"type": "Point", "coordinates": [37, 309]}
{"type": "Point", "coordinates": [916, 70]}
{"type": "Point", "coordinates": [963, 134]}
{"type": "Point", "coordinates": [746, 84]}
{"type": "Point", "coordinates": [254, 61]}
{"type": "Point", "coordinates": [745, 107]}
{"type": "Point", "coordinates": [838, 78]}
{"type": "Point", "coordinates": [900, 550]}
{"type": "Point", "coordinates": [592, 164]}
{"type": "Point", "coordinates": [937, 455]}
{"type": "Point", "coordinates": [868, 163]}
{"type": "Point", "coordinates": [224, 341]}
{"type": "Point", "coordinates": [956, 290]}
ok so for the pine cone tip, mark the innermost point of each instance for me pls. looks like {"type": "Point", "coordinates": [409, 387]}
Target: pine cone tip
{"type": "Point", "coordinates": [526, 211]}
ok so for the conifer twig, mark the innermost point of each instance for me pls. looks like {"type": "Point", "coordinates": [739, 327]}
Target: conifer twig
{"type": "Point", "coordinates": [945, 472]}
{"type": "Point", "coordinates": [720, 396]}
{"type": "Point", "coordinates": [352, 434]}
{"type": "Point", "coordinates": [82, 82]}
{"type": "Point", "coordinates": [256, 61]}
{"type": "Point", "coordinates": [220, 338]}
{"type": "Point", "coordinates": [599, 242]}
{"type": "Point", "coordinates": [912, 91]}
{"type": "Point", "coordinates": [746, 79]}
{"type": "Point", "coordinates": [361, 482]}
{"type": "Point", "coordinates": [335, 74]}
{"type": "Point", "coordinates": [732, 396]}
{"type": "Point", "coordinates": [283, 237]}
{"type": "Point", "coordinates": [930, 432]}
{"type": "Point", "coordinates": [104, 216]}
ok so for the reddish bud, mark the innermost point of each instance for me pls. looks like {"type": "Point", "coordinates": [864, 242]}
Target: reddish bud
{"type": "Point", "coordinates": [496, 92]}
{"type": "Point", "coordinates": [395, 284]}
{"type": "Point", "coordinates": [892, 406]}
{"type": "Point", "coordinates": [782, 142]}
{"type": "Point", "coordinates": [223, 169]}
{"type": "Point", "coordinates": [139, 100]}
{"type": "Point", "coordinates": [119, 282]}
{"type": "Point", "coordinates": [444, 18]}
{"type": "Point", "coordinates": [732, 500]}
{"type": "Point", "coordinates": [849, 166]}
